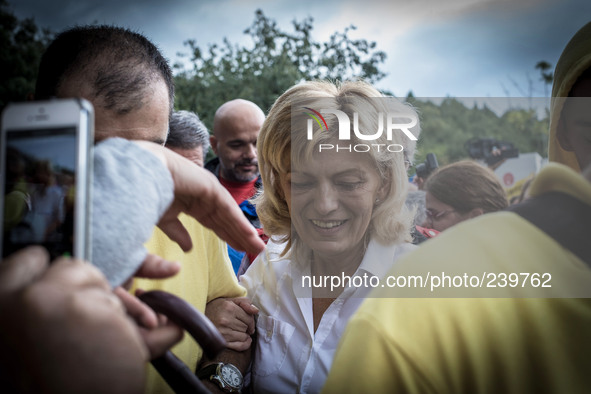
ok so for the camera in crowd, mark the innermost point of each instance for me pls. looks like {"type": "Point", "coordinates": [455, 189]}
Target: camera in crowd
{"type": "Point", "coordinates": [426, 168]}
{"type": "Point", "coordinates": [490, 150]}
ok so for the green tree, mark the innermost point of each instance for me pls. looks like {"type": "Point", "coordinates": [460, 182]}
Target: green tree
{"type": "Point", "coordinates": [448, 126]}
{"type": "Point", "coordinates": [21, 45]}
{"type": "Point", "coordinates": [546, 74]}
{"type": "Point", "coordinates": [275, 60]}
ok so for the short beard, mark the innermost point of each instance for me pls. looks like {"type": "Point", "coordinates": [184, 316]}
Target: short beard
{"type": "Point", "coordinates": [233, 176]}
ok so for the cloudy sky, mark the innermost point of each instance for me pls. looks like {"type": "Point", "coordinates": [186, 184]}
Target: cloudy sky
{"type": "Point", "coordinates": [460, 48]}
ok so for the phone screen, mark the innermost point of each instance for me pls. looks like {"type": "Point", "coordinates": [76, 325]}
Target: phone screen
{"type": "Point", "coordinates": [40, 190]}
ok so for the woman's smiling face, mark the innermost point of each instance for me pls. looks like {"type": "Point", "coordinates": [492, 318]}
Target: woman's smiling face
{"type": "Point", "coordinates": [331, 200]}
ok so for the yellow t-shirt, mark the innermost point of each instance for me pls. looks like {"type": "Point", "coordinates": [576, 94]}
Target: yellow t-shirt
{"type": "Point", "coordinates": [471, 345]}
{"type": "Point", "coordinates": [206, 274]}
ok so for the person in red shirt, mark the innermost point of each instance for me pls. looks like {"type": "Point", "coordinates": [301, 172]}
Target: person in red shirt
{"type": "Point", "coordinates": [236, 127]}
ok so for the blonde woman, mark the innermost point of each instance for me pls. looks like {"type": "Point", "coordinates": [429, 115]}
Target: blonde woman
{"type": "Point", "coordinates": [335, 212]}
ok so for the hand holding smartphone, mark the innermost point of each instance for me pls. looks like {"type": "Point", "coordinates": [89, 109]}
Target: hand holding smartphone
{"type": "Point", "coordinates": [46, 166]}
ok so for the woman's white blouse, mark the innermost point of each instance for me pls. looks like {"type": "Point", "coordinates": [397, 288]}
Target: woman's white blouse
{"type": "Point", "coordinates": [289, 357]}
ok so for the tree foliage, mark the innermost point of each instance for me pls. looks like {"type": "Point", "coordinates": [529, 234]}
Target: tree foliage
{"type": "Point", "coordinates": [546, 74]}
{"type": "Point", "coordinates": [448, 126]}
{"type": "Point", "coordinates": [275, 60]}
{"type": "Point", "coordinates": [21, 45]}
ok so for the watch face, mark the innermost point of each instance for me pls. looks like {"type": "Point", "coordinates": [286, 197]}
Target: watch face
{"type": "Point", "coordinates": [231, 376]}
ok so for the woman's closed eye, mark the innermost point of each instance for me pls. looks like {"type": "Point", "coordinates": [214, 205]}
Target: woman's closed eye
{"type": "Point", "coordinates": [350, 185]}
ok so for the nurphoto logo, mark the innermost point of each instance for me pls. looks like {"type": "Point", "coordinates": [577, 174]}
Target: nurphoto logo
{"type": "Point", "coordinates": [388, 123]}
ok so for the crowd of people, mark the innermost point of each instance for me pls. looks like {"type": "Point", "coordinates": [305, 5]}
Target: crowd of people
{"type": "Point", "coordinates": [285, 239]}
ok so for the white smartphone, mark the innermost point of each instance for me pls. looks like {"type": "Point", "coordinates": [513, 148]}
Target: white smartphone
{"type": "Point", "coordinates": [46, 166]}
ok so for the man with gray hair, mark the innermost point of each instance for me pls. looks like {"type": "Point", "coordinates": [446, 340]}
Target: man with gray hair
{"type": "Point", "coordinates": [188, 136]}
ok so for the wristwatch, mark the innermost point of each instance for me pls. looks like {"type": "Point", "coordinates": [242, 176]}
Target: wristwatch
{"type": "Point", "coordinates": [227, 376]}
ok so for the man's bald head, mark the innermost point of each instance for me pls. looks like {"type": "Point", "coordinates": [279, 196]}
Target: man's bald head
{"type": "Point", "coordinates": [236, 127]}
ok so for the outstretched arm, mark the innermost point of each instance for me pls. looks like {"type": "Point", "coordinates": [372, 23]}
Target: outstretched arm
{"type": "Point", "coordinates": [139, 184]}
{"type": "Point", "coordinates": [198, 193]}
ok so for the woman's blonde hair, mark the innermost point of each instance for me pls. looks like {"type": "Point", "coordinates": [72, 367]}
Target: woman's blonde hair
{"type": "Point", "coordinates": [283, 141]}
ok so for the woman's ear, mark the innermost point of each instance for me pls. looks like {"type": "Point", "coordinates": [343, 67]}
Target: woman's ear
{"type": "Point", "coordinates": [475, 212]}
{"type": "Point", "coordinates": [562, 135]}
{"type": "Point", "coordinates": [383, 190]}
